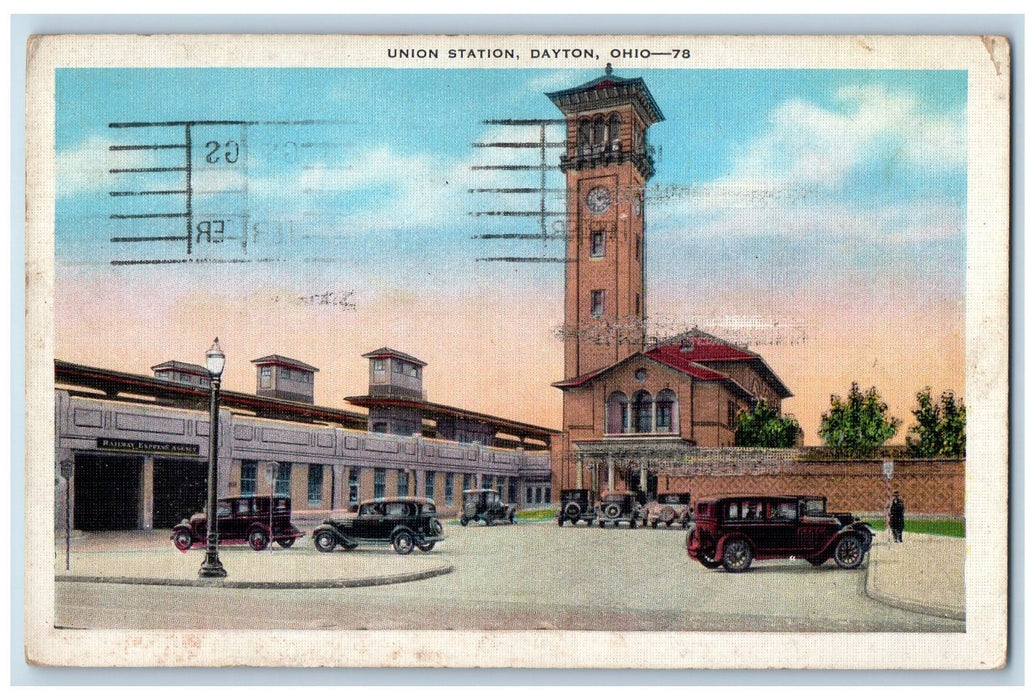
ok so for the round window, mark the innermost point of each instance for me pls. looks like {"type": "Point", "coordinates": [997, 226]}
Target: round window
{"type": "Point", "coordinates": [641, 375]}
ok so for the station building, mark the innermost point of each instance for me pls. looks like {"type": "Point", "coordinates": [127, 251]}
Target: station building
{"type": "Point", "coordinates": [632, 410]}
{"type": "Point", "coordinates": [138, 445]}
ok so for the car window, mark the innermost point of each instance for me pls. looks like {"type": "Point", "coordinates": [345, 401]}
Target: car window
{"type": "Point", "coordinates": [396, 509]}
{"type": "Point", "coordinates": [733, 511]}
{"type": "Point", "coordinates": [815, 506]}
{"type": "Point", "coordinates": [242, 507]}
{"type": "Point", "coordinates": [751, 510]}
{"type": "Point", "coordinates": [223, 510]}
{"type": "Point", "coordinates": [784, 511]}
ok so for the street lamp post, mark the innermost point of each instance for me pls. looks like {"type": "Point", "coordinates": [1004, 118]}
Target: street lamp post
{"type": "Point", "coordinates": [67, 467]}
{"type": "Point", "coordinates": [215, 360]}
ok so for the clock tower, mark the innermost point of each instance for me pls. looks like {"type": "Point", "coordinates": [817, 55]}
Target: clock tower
{"type": "Point", "coordinates": [607, 163]}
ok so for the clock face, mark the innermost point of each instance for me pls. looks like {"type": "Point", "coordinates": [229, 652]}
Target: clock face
{"type": "Point", "coordinates": [598, 200]}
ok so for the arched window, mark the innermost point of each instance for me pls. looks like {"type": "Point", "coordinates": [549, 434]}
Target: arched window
{"type": "Point", "coordinates": [584, 136]}
{"type": "Point", "coordinates": [599, 127]}
{"type": "Point", "coordinates": [666, 412]}
{"type": "Point", "coordinates": [617, 413]}
{"type": "Point", "coordinates": [642, 412]}
{"type": "Point", "coordinates": [614, 133]}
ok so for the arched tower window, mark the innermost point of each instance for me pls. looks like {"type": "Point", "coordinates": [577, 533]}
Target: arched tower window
{"type": "Point", "coordinates": [599, 129]}
{"type": "Point", "coordinates": [666, 412]}
{"type": "Point", "coordinates": [617, 413]}
{"type": "Point", "coordinates": [614, 133]}
{"type": "Point", "coordinates": [583, 136]}
{"type": "Point", "coordinates": [642, 412]}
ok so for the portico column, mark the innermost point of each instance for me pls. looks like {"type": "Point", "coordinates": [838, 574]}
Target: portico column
{"type": "Point", "coordinates": [578, 472]}
{"type": "Point", "coordinates": [610, 474]}
{"type": "Point", "coordinates": [643, 476]}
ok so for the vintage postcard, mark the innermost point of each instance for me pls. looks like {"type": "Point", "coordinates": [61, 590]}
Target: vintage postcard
{"type": "Point", "coordinates": [517, 351]}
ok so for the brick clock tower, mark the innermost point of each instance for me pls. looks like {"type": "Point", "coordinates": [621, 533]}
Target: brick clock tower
{"type": "Point", "coordinates": [607, 163]}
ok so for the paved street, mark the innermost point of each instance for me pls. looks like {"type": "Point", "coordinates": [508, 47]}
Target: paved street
{"type": "Point", "coordinates": [527, 576]}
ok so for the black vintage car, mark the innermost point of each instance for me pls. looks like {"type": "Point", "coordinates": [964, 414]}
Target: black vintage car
{"type": "Point", "coordinates": [576, 505]}
{"type": "Point", "coordinates": [242, 519]}
{"type": "Point", "coordinates": [620, 507]}
{"type": "Point", "coordinates": [404, 523]}
{"type": "Point", "coordinates": [486, 505]}
{"type": "Point", "coordinates": [733, 531]}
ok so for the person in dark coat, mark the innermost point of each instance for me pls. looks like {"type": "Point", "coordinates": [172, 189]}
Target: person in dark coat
{"type": "Point", "coordinates": [897, 516]}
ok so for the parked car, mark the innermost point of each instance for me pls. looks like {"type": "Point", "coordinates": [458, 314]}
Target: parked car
{"type": "Point", "coordinates": [242, 519]}
{"type": "Point", "coordinates": [670, 509]}
{"type": "Point", "coordinates": [404, 523]}
{"type": "Point", "coordinates": [576, 505]}
{"type": "Point", "coordinates": [618, 507]}
{"type": "Point", "coordinates": [486, 505]}
{"type": "Point", "coordinates": [733, 531]}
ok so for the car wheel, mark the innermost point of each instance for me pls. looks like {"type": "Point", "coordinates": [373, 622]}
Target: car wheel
{"type": "Point", "coordinates": [436, 528]}
{"type": "Point", "coordinates": [708, 562]}
{"type": "Point", "coordinates": [572, 510]}
{"type": "Point", "coordinates": [183, 540]}
{"type": "Point", "coordinates": [286, 542]}
{"type": "Point", "coordinates": [258, 540]}
{"type": "Point", "coordinates": [463, 520]}
{"type": "Point", "coordinates": [325, 541]}
{"type": "Point", "coordinates": [612, 510]}
{"type": "Point", "coordinates": [737, 556]}
{"type": "Point", "coordinates": [403, 543]}
{"type": "Point", "coordinates": [426, 546]}
{"type": "Point", "coordinates": [632, 524]}
{"type": "Point", "coordinates": [849, 552]}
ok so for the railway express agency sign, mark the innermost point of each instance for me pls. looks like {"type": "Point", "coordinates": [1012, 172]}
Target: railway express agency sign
{"type": "Point", "coordinates": [162, 448]}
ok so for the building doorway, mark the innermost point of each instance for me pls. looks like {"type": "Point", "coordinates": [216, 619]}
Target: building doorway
{"type": "Point", "coordinates": [180, 488]}
{"type": "Point", "coordinates": [107, 492]}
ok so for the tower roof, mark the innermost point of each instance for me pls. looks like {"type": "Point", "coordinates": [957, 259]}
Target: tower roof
{"type": "Point", "coordinates": [606, 91]}
{"type": "Point", "coordinates": [389, 352]}
{"type": "Point", "coordinates": [285, 362]}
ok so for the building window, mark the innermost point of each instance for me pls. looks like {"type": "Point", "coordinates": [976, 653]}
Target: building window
{"type": "Point", "coordinates": [596, 303]}
{"type": "Point", "coordinates": [448, 497]}
{"type": "Point", "coordinates": [596, 244]}
{"type": "Point", "coordinates": [265, 377]}
{"type": "Point", "coordinates": [643, 408]}
{"type": "Point", "coordinates": [528, 495]}
{"type": "Point", "coordinates": [248, 470]}
{"type": "Point", "coordinates": [402, 487]}
{"type": "Point", "coordinates": [468, 481]}
{"type": "Point", "coordinates": [379, 483]}
{"type": "Point", "coordinates": [285, 373]}
{"type": "Point", "coordinates": [666, 411]}
{"type": "Point", "coordinates": [282, 485]}
{"type": "Point", "coordinates": [617, 413]}
{"type": "Point", "coordinates": [379, 426]}
{"type": "Point", "coordinates": [353, 487]}
{"type": "Point", "coordinates": [639, 247]}
{"type": "Point", "coordinates": [731, 413]}
{"type": "Point", "coordinates": [315, 489]}
{"type": "Point", "coordinates": [512, 490]}
{"type": "Point", "coordinates": [379, 365]}
{"type": "Point", "coordinates": [538, 494]}
{"type": "Point", "coordinates": [546, 494]}
{"type": "Point", "coordinates": [429, 485]}
{"type": "Point", "coordinates": [637, 303]}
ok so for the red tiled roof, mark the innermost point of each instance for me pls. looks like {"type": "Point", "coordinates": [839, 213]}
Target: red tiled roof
{"type": "Point", "coordinates": [694, 370]}
{"type": "Point", "coordinates": [686, 351]}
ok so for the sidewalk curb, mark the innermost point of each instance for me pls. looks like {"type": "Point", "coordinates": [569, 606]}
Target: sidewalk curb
{"type": "Point", "coordinates": [910, 605]}
{"type": "Point", "coordinates": [223, 583]}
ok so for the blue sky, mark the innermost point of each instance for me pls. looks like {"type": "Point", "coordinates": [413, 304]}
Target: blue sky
{"type": "Point", "coordinates": [785, 195]}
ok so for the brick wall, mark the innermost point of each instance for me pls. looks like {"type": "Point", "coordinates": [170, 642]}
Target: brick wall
{"type": "Point", "coordinates": [927, 486]}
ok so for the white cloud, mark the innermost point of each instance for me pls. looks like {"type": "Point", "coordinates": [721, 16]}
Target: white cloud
{"type": "Point", "coordinates": [807, 145]}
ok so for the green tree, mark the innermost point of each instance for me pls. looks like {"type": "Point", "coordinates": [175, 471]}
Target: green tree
{"type": "Point", "coordinates": [858, 425]}
{"type": "Point", "coordinates": [941, 428]}
{"type": "Point", "coordinates": [762, 426]}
